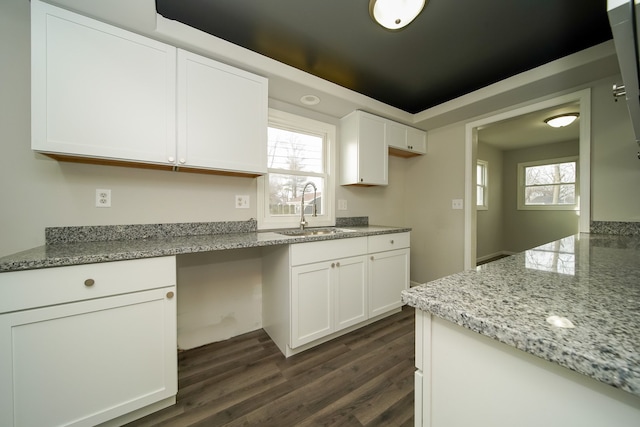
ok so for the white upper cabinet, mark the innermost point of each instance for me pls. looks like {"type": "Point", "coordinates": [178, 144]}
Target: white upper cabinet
{"type": "Point", "coordinates": [364, 154]}
{"type": "Point", "coordinates": [106, 95]}
{"type": "Point", "coordinates": [222, 116]}
{"type": "Point", "coordinates": [405, 141]}
{"type": "Point", "coordinates": [99, 91]}
{"type": "Point", "coordinates": [366, 141]}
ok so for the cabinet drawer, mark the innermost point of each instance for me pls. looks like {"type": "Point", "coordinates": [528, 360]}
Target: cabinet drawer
{"type": "Point", "coordinates": [21, 290]}
{"type": "Point", "coordinates": [305, 253]}
{"type": "Point", "coordinates": [388, 242]}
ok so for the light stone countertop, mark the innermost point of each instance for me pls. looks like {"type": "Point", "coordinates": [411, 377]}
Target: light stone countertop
{"type": "Point", "coordinates": [591, 279]}
{"type": "Point", "coordinates": [77, 245]}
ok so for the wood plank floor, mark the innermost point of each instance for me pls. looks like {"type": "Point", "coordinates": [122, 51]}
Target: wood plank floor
{"type": "Point", "coordinates": [364, 378]}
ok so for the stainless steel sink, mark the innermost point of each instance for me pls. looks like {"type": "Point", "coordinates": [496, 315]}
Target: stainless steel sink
{"type": "Point", "coordinates": [314, 231]}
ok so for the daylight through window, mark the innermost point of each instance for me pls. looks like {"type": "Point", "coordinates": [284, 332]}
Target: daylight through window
{"type": "Point", "coordinates": [298, 153]}
{"type": "Point", "coordinates": [294, 159]}
{"type": "Point", "coordinates": [482, 184]}
{"type": "Point", "coordinates": [551, 184]}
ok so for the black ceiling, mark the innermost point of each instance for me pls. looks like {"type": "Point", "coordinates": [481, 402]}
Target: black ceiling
{"type": "Point", "coordinates": [452, 48]}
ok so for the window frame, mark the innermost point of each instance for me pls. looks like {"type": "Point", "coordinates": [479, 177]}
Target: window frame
{"type": "Point", "coordinates": [485, 165]}
{"type": "Point", "coordinates": [297, 123]}
{"type": "Point", "coordinates": [564, 207]}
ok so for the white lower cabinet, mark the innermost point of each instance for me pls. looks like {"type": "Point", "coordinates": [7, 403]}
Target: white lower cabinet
{"type": "Point", "coordinates": [313, 292]}
{"type": "Point", "coordinates": [464, 379]}
{"type": "Point", "coordinates": [86, 344]}
{"type": "Point", "coordinates": [327, 297]}
{"type": "Point", "coordinates": [388, 271]}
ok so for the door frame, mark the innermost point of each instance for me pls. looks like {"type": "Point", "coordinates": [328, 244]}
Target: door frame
{"type": "Point", "coordinates": [583, 97]}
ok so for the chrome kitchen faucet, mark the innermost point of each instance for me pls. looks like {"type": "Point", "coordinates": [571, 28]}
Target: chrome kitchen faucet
{"type": "Point", "coordinates": [303, 222]}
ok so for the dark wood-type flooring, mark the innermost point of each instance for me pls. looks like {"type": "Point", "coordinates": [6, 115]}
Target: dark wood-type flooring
{"type": "Point", "coordinates": [364, 378]}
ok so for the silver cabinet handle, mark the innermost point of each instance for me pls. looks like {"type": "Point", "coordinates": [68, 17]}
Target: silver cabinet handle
{"type": "Point", "coordinates": [89, 282]}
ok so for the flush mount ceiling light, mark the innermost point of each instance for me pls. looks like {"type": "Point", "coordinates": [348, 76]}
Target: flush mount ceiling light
{"type": "Point", "coordinates": [310, 100]}
{"type": "Point", "coordinates": [562, 120]}
{"type": "Point", "coordinates": [395, 14]}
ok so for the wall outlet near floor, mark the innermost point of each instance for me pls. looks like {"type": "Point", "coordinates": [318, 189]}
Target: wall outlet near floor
{"type": "Point", "coordinates": [242, 202]}
{"type": "Point", "coordinates": [457, 204]}
{"type": "Point", "coordinates": [342, 205]}
{"type": "Point", "coordinates": [103, 198]}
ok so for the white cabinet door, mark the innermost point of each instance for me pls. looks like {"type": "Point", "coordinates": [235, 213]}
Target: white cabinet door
{"type": "Point", "coordinates": [99, 91]}
{"type": "Point", "coordinates": [388, 277]}
{"type": "Point", "coordinates": [87, 362]}
{"type": "Point", "coordinates": [312, 303]}
{"type": "Point", "coordinates": [405, 141]}
{"type": "Point", "coordinates": [416, 140]}
{"type": "Point", "coordinates": [396, 135]}
{"type": "Point", "coordinates": [351, 290]}
{"type": "Point", "coordinates": [327, 297]}
{"type": "Point", "coordinates": [364, 153]}
{"type": "Point", "coordinates": [222, 116]}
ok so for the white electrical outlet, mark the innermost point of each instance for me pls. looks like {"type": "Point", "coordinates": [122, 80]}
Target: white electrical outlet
{"type": "Point", "coordinates": [242, 202]}
{"type": "Point", "coordinates": [457, 204]}
{"type": "Point", "coordinates": [342, 205]}
{"type": "Point", "coordinates": [103, 198]}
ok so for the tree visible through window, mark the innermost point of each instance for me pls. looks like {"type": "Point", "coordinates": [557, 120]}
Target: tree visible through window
{"type": "Point", "coordinates": [551, 184]}
{"type": "Point", "coordinates": [294, 159]}
{"type": "Point", "coordinates": [299, 151]}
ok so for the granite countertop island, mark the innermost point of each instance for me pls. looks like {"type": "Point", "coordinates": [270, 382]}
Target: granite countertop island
{"type": "Point", "coordinates": [574, 302]}
{"type": "Point", "coordinates": [92, 244]}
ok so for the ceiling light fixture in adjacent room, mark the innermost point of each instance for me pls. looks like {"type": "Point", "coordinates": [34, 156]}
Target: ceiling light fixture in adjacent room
{"type": "Point", "coordinates": [562, 120]}
{"type": "Point", "coordinates": [395, 14]}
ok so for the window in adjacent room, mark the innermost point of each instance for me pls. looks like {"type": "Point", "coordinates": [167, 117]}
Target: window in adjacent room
{"type": "Point", "coordinates": [548, 185]}
{"type": "Point", "coordinates": [482, 185]}
{"type": "Point", "coordinates": [300, 151]}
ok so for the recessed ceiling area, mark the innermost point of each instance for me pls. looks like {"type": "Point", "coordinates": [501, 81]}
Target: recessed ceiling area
{"type": "Point", "coordinates": [451, 49]}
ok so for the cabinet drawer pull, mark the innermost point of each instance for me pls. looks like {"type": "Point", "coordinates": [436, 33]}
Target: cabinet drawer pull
{"type": "Point", "coordinates": [333, 265]}
{"type": "Point", "coordinates": [89, 282]}
{"type": "Point", "coordinates": [170, 294]}
{"type": "Point", "coordinates": [392, 241]}
{"type": "Point", "coordinates": [337, 264]}
{"type": "Point", "coordinates": [372, 258]}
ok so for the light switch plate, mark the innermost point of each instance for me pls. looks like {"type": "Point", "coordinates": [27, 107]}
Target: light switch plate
{"type": "Point", "coordinates": [342, 205]}
{"type": "Point", "coordinates": [457, 204]}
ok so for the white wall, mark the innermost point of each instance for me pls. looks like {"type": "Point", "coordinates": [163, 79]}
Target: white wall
{"type": "Point", "coordinates": [432, 181]}
{"type": "Point", "coordinates": [525, 229]}
{"type": "Point", "coordinates": [615, 167]}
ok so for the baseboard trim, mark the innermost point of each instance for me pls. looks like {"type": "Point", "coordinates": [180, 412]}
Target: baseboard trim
{"type": "Point", "coordinates": [494, 255]}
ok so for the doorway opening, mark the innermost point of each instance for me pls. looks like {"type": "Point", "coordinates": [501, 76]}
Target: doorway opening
{"type": "Point", "coordinates": [579, 101]}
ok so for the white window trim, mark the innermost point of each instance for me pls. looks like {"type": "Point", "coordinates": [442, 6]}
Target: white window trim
{"type": "Point", "coordinates": [294, 122]}
{"type": "Point", "coordinates": [484, 206]}
{"type": "Point", "coordinates": [522, 166]}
